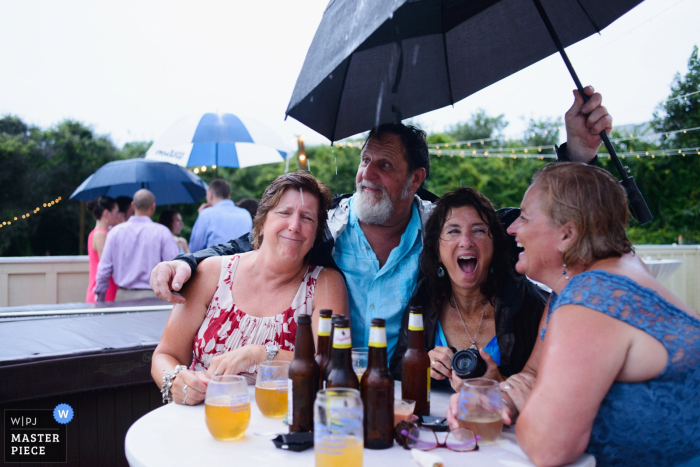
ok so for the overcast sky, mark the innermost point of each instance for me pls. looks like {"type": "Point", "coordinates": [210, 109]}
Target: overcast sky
{"type": "Point", "coordinates": [133, 68]}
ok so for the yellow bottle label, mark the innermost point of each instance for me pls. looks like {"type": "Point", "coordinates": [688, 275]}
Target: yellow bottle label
{"type": "Point", "coordinates": [415, 322]}
{"type": "Point", "coordinates": [377, 337]}
{"type": "Point", "coordinates": [324, 327]}
{"type": "Point", "coordinates": [342, 339]}
{"type": "Point", "coordinates": [428, 384]}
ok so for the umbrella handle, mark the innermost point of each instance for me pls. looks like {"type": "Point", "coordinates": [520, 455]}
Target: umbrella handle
{"type": "Point", "coordinates": [639, 207]}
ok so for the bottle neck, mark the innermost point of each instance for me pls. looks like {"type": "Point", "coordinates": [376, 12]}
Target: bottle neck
{"type": "Point", "coordinates": [324, 336]}
{"type": "Point", "coordinates": [342, 344]}
{"type": "Point", "coordinates": [376, 358]}
{"type": "Point", "coordinates": [304, 343]}
{"type": "Point", "coordinates": [377, 355]}
{"type": "Point", "coordinates": [416, 335]}
{"type": "Point", "coordinates": [416, 340]}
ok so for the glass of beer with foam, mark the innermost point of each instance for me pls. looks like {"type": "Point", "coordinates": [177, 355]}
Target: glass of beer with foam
{"type": "Point", "coordinates": [271, 388]}
{"type": "Point", "coordinates": [227, 407]}
{"type": "Point", "coordinates": [338, 428]}
{"type": "Point", "coordinates": [480, 409]}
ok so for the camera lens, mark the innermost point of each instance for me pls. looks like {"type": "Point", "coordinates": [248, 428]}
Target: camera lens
{"type": "Point", "coordinates": [468, 363]}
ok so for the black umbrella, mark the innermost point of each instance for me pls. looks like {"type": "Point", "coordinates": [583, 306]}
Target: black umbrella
{"type": "Point", "coordinates": [374, 62]}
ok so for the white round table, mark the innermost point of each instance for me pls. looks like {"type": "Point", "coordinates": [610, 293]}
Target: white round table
{"type": "Point", "coordinates": [176, 435]}
{"type": "Point", "coordinates": [662, 269]}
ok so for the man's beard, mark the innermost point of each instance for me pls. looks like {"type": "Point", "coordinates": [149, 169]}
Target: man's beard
{"type": "Point", "coordinates": [380, 211]}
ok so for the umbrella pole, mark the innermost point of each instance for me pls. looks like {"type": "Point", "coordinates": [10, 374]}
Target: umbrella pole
{"type": "Point", "coordinates": [637, 204]}
{"type": "Point", "coordinates": [216, 150]}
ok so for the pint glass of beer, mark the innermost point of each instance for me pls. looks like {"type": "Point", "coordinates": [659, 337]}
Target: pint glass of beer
{"type": "Point", "coordinates": [480, 408]}
{"type": "Point", "coordinates": [271, 388]}
{"type": "Point", "coordinates": [227, 407]}
{"type": "Point", "coordinates": [338, 429]}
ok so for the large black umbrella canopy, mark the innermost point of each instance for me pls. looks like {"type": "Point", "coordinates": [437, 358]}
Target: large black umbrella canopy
{"type": "Point", "coordinates": [374, 62]}
{"type": "Point", "coordinates": [171, 184]}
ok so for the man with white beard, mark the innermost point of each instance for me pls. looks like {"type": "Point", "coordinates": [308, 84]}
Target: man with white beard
{"type": "Point", "coordinates": [374, 236]}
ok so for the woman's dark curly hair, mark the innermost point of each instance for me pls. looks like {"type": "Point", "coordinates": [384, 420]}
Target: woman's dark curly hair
{"type": "Point", "coordinates": [440, 287]}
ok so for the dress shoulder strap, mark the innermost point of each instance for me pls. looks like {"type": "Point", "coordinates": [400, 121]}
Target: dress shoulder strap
{"type": "Point", "coordinates": [304, 300]}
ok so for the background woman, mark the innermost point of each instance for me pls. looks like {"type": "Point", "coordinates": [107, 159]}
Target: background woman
{"type": "Point", "coordinates": [470, 293]}
{"type": "Point", "coordinates": [172, 219]}
{"type": "Point", "coordinates": [237, 311]}
{"type": "Point", "coordinates": [105, 211]}
{"type": "Point", "coordinates": [620, 362]}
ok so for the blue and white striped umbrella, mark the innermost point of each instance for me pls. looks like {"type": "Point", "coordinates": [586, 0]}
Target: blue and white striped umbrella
{"type": "Point", "coordinates": [224, 140]}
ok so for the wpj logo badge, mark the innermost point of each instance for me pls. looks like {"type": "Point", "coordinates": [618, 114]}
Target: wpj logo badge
{"type": "Point", "coordinates": [37, 435]}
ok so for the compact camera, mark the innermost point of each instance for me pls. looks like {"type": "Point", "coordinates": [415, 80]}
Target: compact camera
{"type": "Point", "coordinates": [467, 363]}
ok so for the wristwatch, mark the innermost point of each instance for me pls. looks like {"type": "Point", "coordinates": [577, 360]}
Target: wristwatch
{"type": "Point", "coordinates": [271, 349]}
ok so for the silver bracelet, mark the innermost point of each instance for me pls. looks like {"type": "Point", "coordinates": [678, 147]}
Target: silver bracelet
{"type": "Point", "coordinates": [168, 382]}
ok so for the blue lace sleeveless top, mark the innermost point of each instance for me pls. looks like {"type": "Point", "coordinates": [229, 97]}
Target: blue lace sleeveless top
{"type": "Point", "coordinates": [654, 422]}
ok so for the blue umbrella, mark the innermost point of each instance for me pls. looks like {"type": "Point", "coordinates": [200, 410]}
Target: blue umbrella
{"type": "Point", "coordinates": [223, 140]}
{"type": "Point", "coordinates": [169, 183]}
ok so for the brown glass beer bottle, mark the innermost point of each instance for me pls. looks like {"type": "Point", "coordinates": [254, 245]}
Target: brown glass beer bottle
{"type": "Point", "coordinates": [377, 389]}
{"type": "Point", "coordinates": [325, 370]}
{"type": "Point", "coordinates": [303, 379]}
{"type": "Point", "coordinates": [415, 365]}
{"type": "Point", "coordinates": [324, 342]}
{"type": "Point", "coordinates": [342, 375]}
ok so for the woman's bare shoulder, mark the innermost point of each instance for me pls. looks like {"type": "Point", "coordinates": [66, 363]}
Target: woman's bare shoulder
{"type": "Point", "coordinates": [631, 266]}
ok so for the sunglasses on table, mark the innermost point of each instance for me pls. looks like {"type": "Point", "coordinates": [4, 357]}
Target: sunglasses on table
{"type": "Point", "coordinates": [412, 436]}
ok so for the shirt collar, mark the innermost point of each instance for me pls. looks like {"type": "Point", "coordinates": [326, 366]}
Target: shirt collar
{"type": "Point", "coordinates": [224, 203]}
{"type": "Point", "coordinates": [135, 218]}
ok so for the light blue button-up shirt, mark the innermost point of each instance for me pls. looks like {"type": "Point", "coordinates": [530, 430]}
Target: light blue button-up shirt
{"type": "Point", "coordinates": [219, 224]}
{"type": "Point", "coordinates": [374, 292]}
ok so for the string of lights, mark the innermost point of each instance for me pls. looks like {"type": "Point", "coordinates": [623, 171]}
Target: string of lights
{"type": "Point", "coordinates": [513, 155]}
{"type": "Point", "coordinates": [34, 211]}
{"type": "Point", "coordinates": [684, 97]}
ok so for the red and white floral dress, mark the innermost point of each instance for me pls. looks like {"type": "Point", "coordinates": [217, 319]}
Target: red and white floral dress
{"type": "Point", "coordinates": [227, 327]}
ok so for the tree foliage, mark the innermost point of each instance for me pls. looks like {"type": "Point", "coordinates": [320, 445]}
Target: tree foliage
{"type": "Point", "coordinates": [40, 165]}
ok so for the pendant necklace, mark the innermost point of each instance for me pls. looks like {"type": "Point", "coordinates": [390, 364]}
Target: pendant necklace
{"type": "Point", "coordinates": [483, 310]}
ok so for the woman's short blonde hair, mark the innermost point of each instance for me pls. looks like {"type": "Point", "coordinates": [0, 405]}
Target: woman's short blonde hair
{"type": "Point", "coordinates": [298, 180]}
{"type": "Point", "coordinates": [594, 201]}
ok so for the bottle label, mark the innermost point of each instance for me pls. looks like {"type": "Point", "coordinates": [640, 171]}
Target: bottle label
{"type": "Point", "coordinates": [324, 326]}
{"type": "Point", "coordinates": [415, 322]}
{"type": "Point", "coordinates": [290, 402]}
{"type": "Point", "coordinates": [342, 339]}
{"type": "Point", "coordinates": [377, 337]}
{"type": "Point", "coordinates": [428, 384]}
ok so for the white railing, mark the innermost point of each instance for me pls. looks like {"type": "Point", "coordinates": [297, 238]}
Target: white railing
{"type": "Point", "coordinates": [34, 280]}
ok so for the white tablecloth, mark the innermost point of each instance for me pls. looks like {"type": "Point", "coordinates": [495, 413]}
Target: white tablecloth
{"type": "Point", "coordinates": [176, 435]}
{"type": "Point", "coordinates": [662, 269]}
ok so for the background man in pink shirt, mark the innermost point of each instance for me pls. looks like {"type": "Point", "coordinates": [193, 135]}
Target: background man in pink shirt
{"type": "Point", "coordinates": [132, 249]}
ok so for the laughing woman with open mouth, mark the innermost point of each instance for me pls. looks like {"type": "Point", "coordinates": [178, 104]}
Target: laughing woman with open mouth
{"type": "Point", "coordinates": [470, 292]}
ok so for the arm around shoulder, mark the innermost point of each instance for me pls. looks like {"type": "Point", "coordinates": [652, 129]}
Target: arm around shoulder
{"type": "Point", "coordinates": [175, 347]}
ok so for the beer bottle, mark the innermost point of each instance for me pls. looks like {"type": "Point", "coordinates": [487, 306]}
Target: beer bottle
{"type": "Point", "coordinates": [415, 365]}
{"type": "Point", "coordinates": [377, 389]}
{"type": "Point", "coordinates": [342, 375]}
{"type": "Point", "coordinates": [303, 379]}
{"type": "Point", "coordinates": [324, 342]}
{"type": "Point", "coordinates": [335, 319]}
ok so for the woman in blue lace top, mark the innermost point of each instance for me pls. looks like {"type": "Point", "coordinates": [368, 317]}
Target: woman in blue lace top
{"type": "Point", "coordinates": [620, 368]}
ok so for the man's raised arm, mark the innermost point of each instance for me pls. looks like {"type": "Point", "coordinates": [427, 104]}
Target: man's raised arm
{"type": "Point", "coordinates": [168, 277]}
{"type": "Point", "coordinates": [584, 122]}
